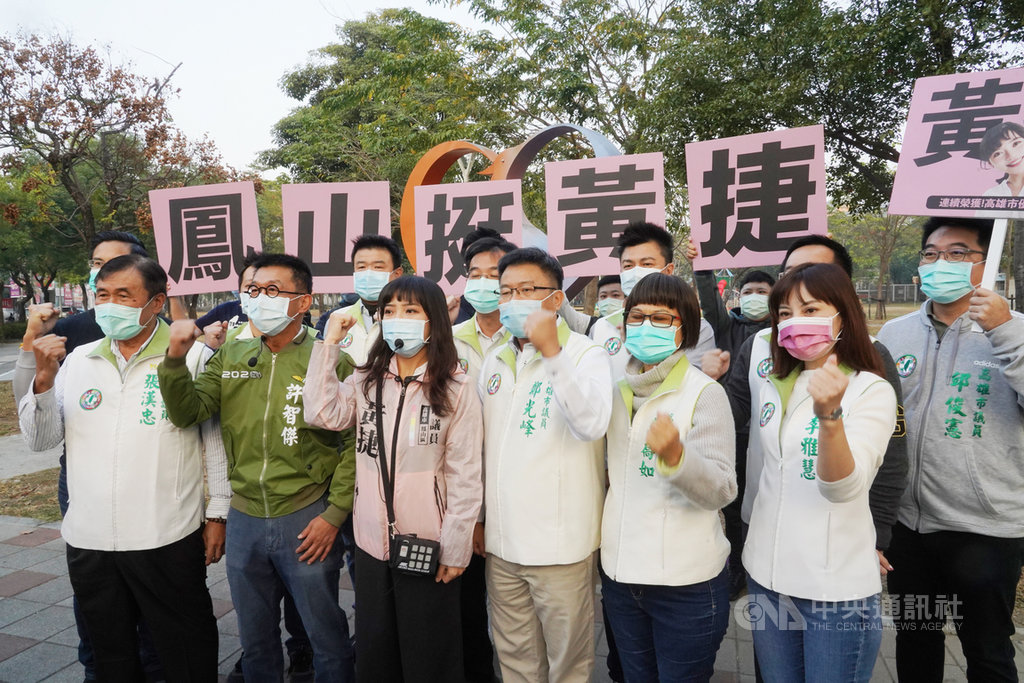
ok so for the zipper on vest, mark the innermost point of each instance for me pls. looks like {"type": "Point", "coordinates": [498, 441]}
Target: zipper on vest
{"type": "Point", "coordinates": [266, 455]}
{"type": "Point", "coordinates": [915, 489]}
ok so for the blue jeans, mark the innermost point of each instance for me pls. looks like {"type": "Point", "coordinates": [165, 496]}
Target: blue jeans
{"type": "Point", "coordinates": [813, 640]}
{"type": "Point", "coordinates": [261, 566]}
{"type": "Point", "coordinates": [667, 633]}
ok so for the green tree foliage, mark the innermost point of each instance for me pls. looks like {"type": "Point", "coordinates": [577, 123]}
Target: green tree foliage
{"type": "Point", "coordinates": [391, 88]}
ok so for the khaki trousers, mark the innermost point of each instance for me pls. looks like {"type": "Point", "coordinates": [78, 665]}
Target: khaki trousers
{"type": "Point", "coordinates": [542, 619]}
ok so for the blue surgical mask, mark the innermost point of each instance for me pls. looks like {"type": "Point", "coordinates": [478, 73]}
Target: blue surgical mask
{"type": "Point", "coordinates": [269, 315]}
{"type": "Point", "coordinates": [408, 330]}
{"type": "Point", "coordinates": [93, 272]}
{"type": "Point", "coordinates": [649, 344]}
{"type": "Point", "coordinates": [629, 278]}
{"type": "Point", "coordinates": [121, 322]}
{"type": "Point", "coordinates": [605, 307]}
{"type": "Point", "coordinates": [482, 294]}
{"type": "Point", "coordinates": [514, 314]}
{"type": "Point", "coordinates": [368, 283]}
{"type": "Point", "coordinates": [754, 306]}
{"type": "Point", "coordinates": [946, 282]}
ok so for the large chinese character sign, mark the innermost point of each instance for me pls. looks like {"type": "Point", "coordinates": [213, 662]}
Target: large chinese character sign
{"type": "Point", "coordinates": [321, 220]}
{"type": "Point", "coordinates": [963, 151]}
{"type": "Point", "coordinates": [203, 234]}
{"type": "Point", "coordinates": [751, 196]}
{"type": "Point", "coordinates": [447, 212]}
{"type": "Point", "coordinates": [591, 201]}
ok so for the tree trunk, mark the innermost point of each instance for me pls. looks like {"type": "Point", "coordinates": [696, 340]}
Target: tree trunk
{"type": "Point", "coordinates": [883, 273]}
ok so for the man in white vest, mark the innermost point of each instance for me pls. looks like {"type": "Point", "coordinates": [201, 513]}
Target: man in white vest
{"type": "Point", "coordinates": [547, 398]}
{"type": "Point", "coordinates": [376, 261]}
{"type": "Point", "coordinates": [134, 533]}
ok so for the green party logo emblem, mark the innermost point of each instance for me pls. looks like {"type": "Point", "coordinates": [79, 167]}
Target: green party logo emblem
{"type": "Point", "coordinates": [765, 367]}
{"type": "Point", "coordinates": [493, 383]}
{"type": "Point", "coordinates": [346, 342]}
{"type": "Point", "coordinates": [613, 345]}
{"type": "Point", "coordinates": [91, 399]}
{"type": "Point", "coordinates": [905, 365]}
{"type": "Point", "coordinates": [767, 410]}
{"type": "Point", "coordinates": [464, 364]}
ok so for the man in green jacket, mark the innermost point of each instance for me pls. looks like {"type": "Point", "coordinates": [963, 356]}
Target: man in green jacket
{"type": "Point", "coordinates": [292, 484]}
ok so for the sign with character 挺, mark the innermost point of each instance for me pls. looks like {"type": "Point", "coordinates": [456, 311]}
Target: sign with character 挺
{"type": "Point", "coordinates": [591, 201]}
{"type": "Point", "coordinates": [963, 150]}
{"type": "Point", "coordinates": [321, 220]}
{"type": "Point", "coordinates": [447, 212]}
{"type": "Point", "coordinates": [203, 234]}
{"type": "Point", "coordinates": [751, 196]}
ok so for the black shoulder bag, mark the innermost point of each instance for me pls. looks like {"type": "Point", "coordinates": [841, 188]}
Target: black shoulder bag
{"type": "Point", "coordinates": [408, 553]}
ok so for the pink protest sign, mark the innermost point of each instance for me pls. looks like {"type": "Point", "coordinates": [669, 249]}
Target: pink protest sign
{"type": "Point", "coordinates": [751, 196]}
{"type": "Point", "coordinates": [203, 234]}
{"type": "Point", "coordinates": [321, 220]}
{"type": "Point", "coordinates": [446, 213]}
{"type": "Point", "coordinates": [591, 201]}
{"type": "Point", "coordinates": [963, 150]}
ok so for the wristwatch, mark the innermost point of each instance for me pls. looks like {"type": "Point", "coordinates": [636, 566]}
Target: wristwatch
{"type": "Point", "coordinates": [834, 415]}
{"type": "Point", "coordinates": [217, 520]}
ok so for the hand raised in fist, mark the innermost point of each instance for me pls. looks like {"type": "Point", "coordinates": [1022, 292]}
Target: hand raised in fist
{"type": "Point", "coordinates": [663, 439]}
{"type": "Point", "coordinates": [338, 326]}
{"type": "Point", "coordinates": [183, 334]}
{"type": "Point", "coordinates": [49, 352]}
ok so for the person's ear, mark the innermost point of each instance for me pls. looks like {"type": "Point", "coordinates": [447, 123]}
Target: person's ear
{"type": "Point", "coordinates": [557, 298]}
{"type": "Point", "coordinates": [305, 303]}
{"type": "Point", "coordinates": [395, 274]}
{"type": "Point", "coordinates": [158, 301]}
{"type": "Point", "coordinates": [670, 268]}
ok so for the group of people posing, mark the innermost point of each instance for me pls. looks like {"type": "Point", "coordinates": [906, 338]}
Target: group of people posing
{"type": "Point", "coordinates": [485, 475]}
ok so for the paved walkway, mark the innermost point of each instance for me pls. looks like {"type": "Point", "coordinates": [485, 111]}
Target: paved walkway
{"type": "Point", "coordinates": [38, 638]}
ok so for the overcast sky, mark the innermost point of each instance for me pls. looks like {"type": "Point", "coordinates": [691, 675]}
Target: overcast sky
{"type": "Point", "coordinates": [232, 54]}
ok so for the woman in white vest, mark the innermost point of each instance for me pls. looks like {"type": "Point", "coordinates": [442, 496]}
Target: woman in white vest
{"type": "Point", "coordinates": [671, 468]}
{"type": "Point", "coordinates": [825, 420]}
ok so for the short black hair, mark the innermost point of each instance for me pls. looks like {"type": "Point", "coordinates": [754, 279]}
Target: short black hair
{"type": "Point", "coordinates": [118, 236]}
{"type": "Point", "coordinates": [301, 273]}
{"type": "Point", "coordinates": [840, 256]}
{"type": "Point", "coordinates": [247, 262]}
{"type": "Point", "coordinates": [538, 257]}
{"type": "Point", "coordinates": [154, 279]}
{"type": "Point", "coordinates": [756, 276]}
{"type": "Point", "coordinates": [669, 291]}
{"type": "Point", "coordinates": [609, 280]}
{"type": "Point", "coordinates": [378, 242]}
{"type": "Point", "coordinates": [641, 233]}
{"type": "Point", "coordinates": [484, 240]}
{"type": "Point", "coordinates": [982, 227]}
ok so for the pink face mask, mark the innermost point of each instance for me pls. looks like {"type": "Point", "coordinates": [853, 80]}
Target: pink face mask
{"type": "Point", "coordinates": [807, 338]}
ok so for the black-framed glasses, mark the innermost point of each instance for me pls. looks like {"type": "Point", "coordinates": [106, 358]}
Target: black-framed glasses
{"type": "Point", "coordinates": [526, 291]}
{"type": "Point", "coordinates": [954, 255]}
{"type": "Point", "coordinates": [636, 318]}
{"type": "Point", "coordinates": [270, 290]}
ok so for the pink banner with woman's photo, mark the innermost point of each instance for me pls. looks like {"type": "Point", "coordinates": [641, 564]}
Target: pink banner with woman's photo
{"type": "Point", "coordinates": [963, 150]}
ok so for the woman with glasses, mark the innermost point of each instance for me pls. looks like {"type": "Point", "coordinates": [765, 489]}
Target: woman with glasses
{"type": "Point", "coordinates": [825, 420]}
{"type": "Point", "coordinates": [670, 468]}
{"type": "Point", "coordinates": [418, 452]}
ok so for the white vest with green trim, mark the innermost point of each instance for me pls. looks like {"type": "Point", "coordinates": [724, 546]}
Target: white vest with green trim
{"type": "Point", "coordinates": [361, 336]}
{"type": "Point", "coordinates": [652, 533]}
{"type": "Point", "coordinates": [467, 345]}
{"type": "Point", "coordinates": [135, 480]}
{"type": "Point", "coordinates": [800, 543]}
{"type": "Point", "coordinates": [757, 376]}
{"type": "Point", "coordinates": [544, 487]}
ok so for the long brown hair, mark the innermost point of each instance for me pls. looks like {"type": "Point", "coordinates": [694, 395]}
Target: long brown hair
{"type": "Point", "coordinates": [828, 283]}
{"type": "Point", "coordinates": [442, 358]}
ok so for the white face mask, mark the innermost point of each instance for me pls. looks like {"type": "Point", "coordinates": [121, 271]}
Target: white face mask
{"type": "Point", "coordinates": [629, 278]}
{"type": "Point", "coordinates": [270, 315]}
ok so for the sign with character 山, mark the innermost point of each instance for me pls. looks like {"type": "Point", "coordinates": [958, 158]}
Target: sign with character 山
{"type": "Point", "coordinates": [751, 196]}
{"type": "Point", "coordinates": [963, 150]}
{"type": "Point", "coordinates": [591, 201]}
{"type": "Point", "coordinates": [322, 219]}
{"type": "Point", "coordinates": [448, 212]}
{"type": "Point", "coordinates": [203, 233]}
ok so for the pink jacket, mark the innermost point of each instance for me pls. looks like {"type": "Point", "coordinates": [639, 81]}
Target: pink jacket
{"type": "Point", "coordinates": [439, 485]}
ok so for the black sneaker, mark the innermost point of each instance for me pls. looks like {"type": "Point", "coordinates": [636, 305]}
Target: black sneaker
{"type": "Point", "coordinates": [300, 666]}
{"type": "Point", "coordinates": [236, 674]}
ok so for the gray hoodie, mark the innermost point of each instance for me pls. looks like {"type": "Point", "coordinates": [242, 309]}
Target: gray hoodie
{"type": "Point", "coordinates": [964, 402]}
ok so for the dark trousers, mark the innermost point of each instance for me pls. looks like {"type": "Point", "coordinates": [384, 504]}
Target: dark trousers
{"type": "Point", "coordinates": [477, 651]}
{"type": "Point", "coordinates": [408, 628]}
{"type": "Point", "coordinates": [972, 578]}
{"type": "Point", "coordinates": [166, 587]}
{"type": "Point", "coordinates": [731, 513]}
